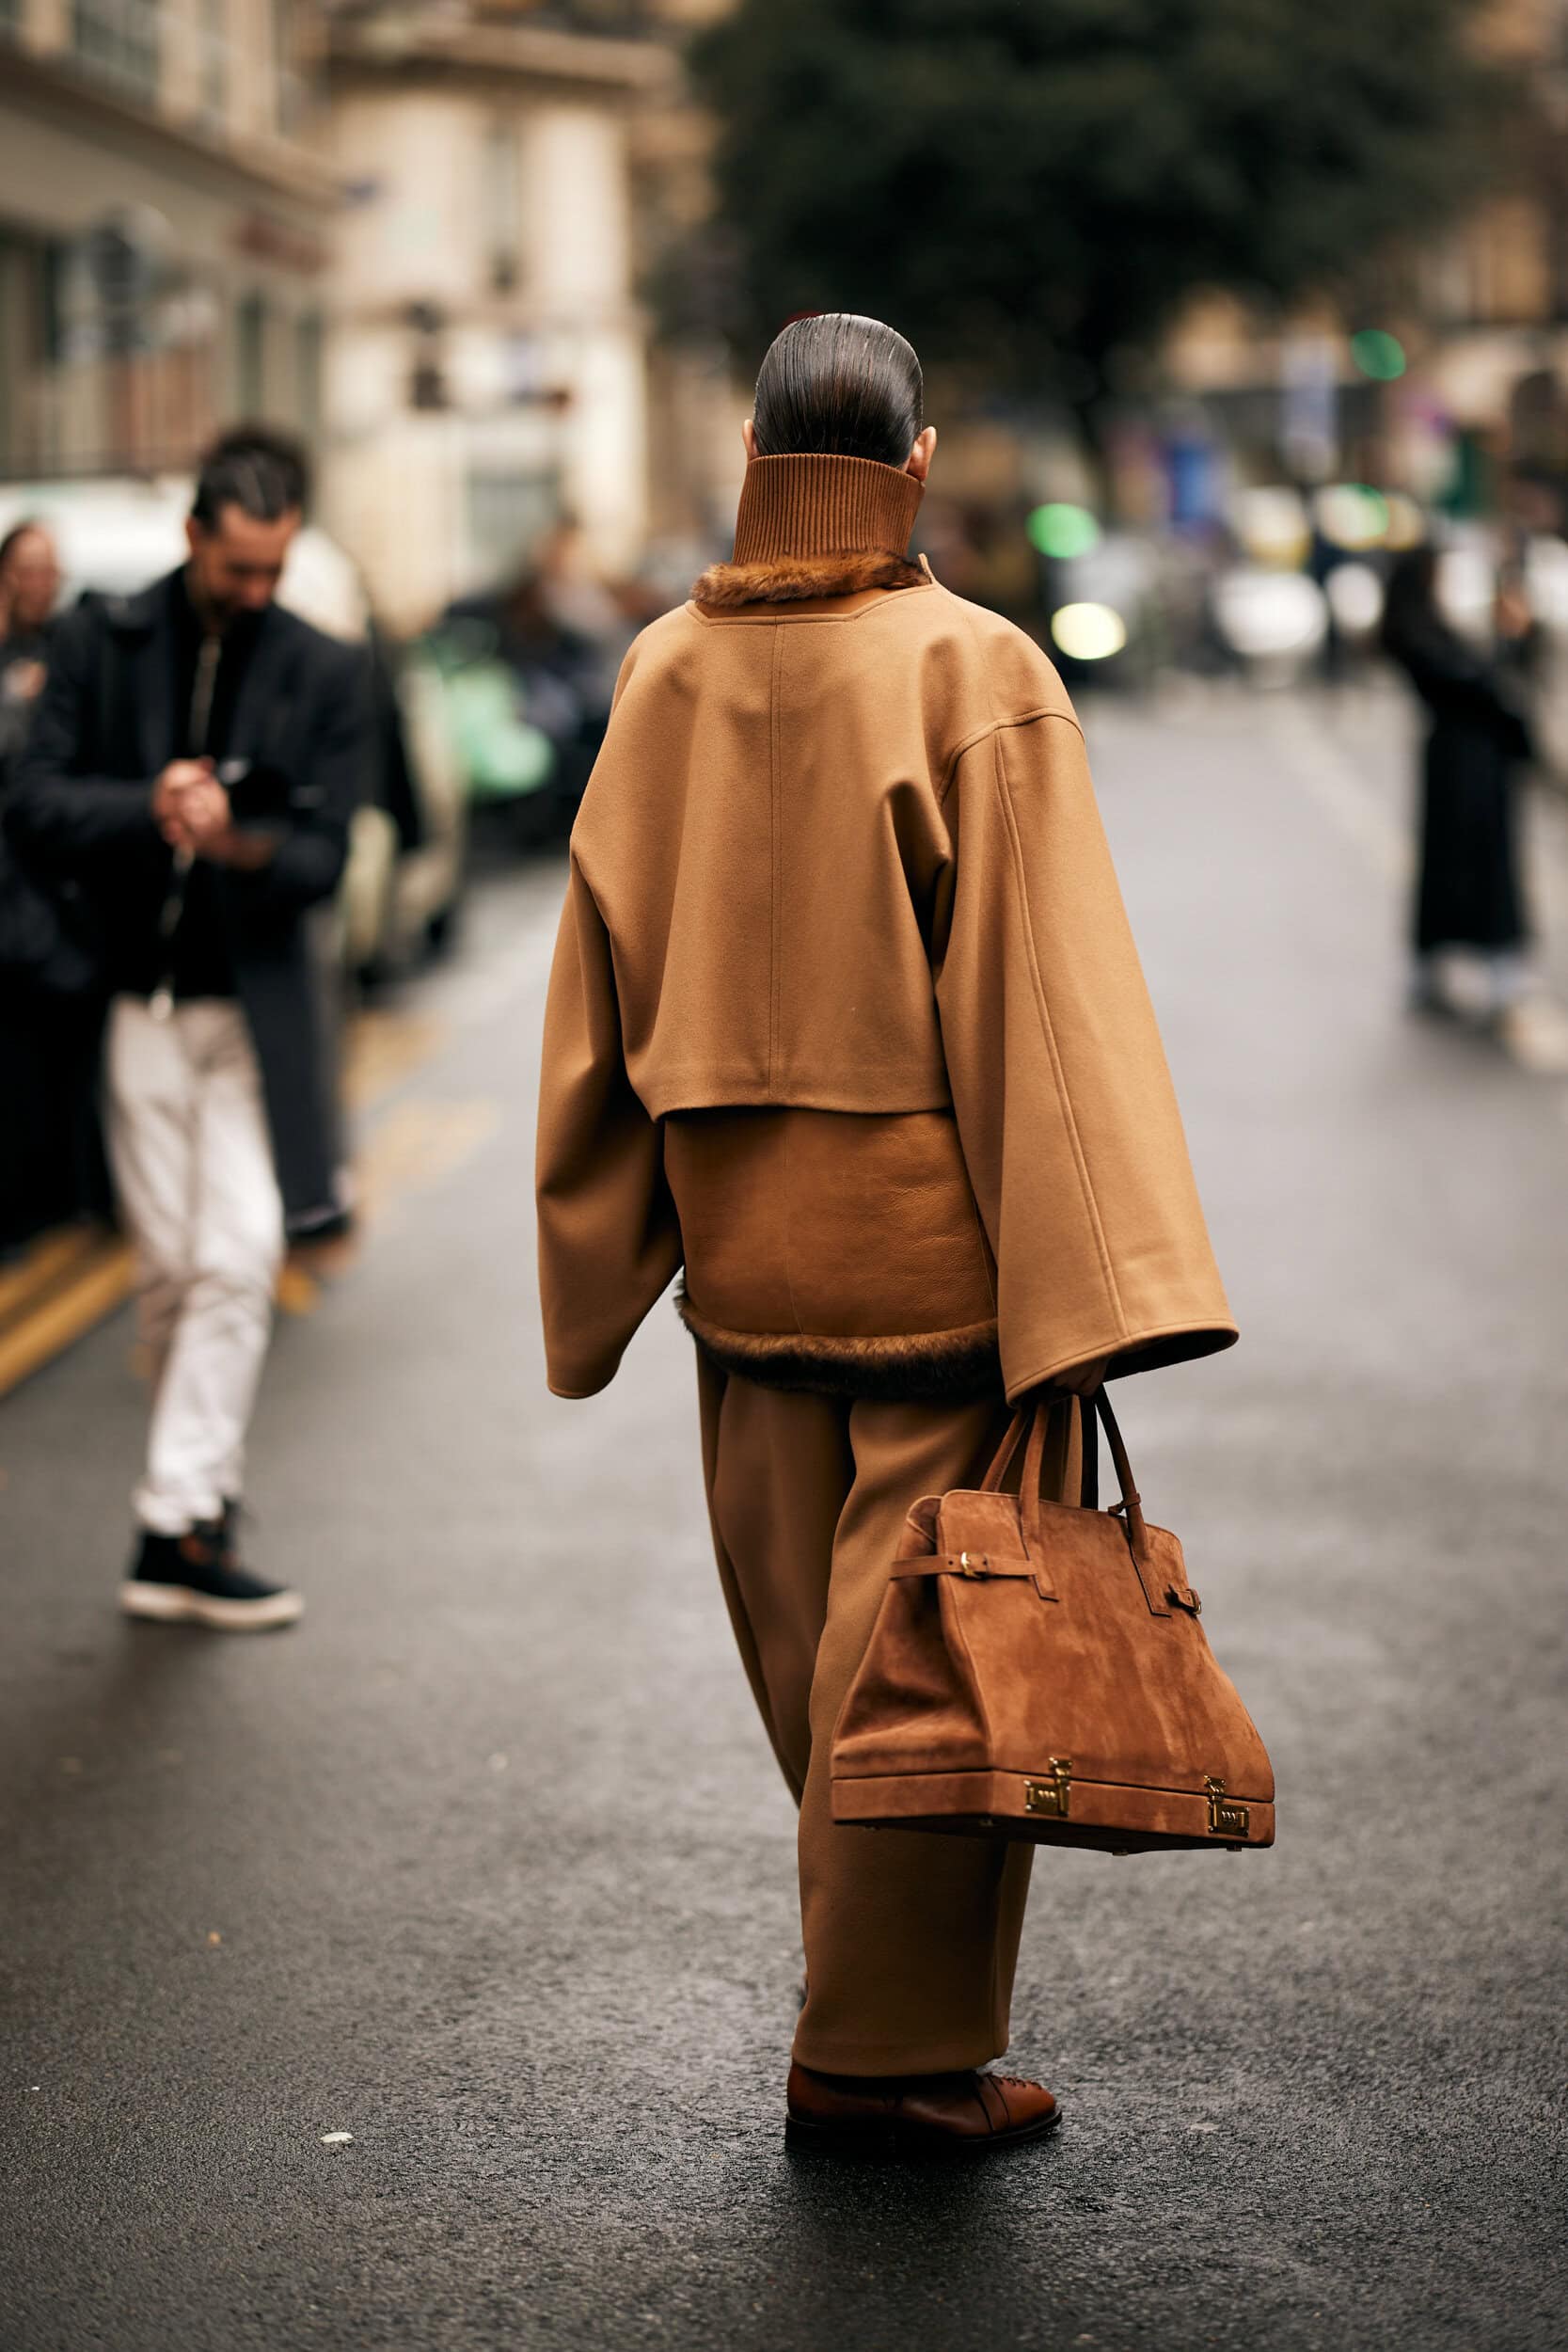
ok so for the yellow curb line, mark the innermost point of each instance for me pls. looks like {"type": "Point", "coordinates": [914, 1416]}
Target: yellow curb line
{"type": "Point", "coordinates": [49, 1300]}
{"type": "Point", "coordinates": [55, 1323]}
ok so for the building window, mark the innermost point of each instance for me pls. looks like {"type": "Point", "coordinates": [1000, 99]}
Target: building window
{"type": "Point", "coordinates": [118, 40]}
{"type": "Point", "coordinates": [213, 30]}
{"type": "Point", "coordinates": [507, 515]}
{"type": "Point", "coordinates": [288, 90]}
{"type": "Point", "coordinates": [501, 206]}
{"type": "Point", "coordinates": [250, 357]}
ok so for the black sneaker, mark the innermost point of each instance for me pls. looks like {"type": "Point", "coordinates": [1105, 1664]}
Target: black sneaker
{"type": "Point", "coordinates": [195, 1580]}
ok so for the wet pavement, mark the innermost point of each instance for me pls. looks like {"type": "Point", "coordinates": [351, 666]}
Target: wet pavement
{"type": "Point", "coordinates": [488, 1864]}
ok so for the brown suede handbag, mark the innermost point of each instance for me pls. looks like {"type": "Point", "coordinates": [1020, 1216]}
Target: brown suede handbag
{"type": "Point", "coordinates": [1037, 1670]}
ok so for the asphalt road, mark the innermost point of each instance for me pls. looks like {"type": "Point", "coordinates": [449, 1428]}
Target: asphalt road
{"type": "Point", "coordinates": [488, 1864]}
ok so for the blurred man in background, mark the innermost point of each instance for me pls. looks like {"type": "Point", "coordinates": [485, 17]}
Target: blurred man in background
{"type": "Point", "coordinates": [194, 766]}
{"type": "Point", "coordinates": [29, 585]}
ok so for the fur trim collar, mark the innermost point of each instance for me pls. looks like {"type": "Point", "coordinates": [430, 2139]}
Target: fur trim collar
{"type": "Point", "coordinates": [955, 1367]}
{"type": "Point", "coordinates": [791, 578]}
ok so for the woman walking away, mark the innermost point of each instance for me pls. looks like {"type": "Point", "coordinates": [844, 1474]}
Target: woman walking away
{"type": "Point", "coordinates": [1469, 903]}
{"type": "Point", "coordinates": [846, 1018]}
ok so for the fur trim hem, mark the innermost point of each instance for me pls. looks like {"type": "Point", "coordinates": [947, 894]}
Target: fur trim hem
{"type": "Point", "coordinates": [913, 1367]}
{"type": "Point", "coordinates": [791, 578]}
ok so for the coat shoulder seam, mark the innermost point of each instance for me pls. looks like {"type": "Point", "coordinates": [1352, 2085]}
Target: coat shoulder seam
{"type": "Point", "coordinates": [994, 727]}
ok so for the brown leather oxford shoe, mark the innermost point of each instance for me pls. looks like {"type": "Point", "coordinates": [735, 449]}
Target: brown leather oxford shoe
{"type": "Point", "coordinates": [915, 2115]}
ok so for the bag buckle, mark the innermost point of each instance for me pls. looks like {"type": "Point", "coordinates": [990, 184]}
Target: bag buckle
{"type": "Point", "coordinates": [1226, 1819]}
{"type": "Point", "coordinates": [1050, 1797]}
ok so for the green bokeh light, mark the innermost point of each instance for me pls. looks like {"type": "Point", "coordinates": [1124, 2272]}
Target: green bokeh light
{"type": "Point", "coordinates": [1378, 353]}
{"type": "Point", "coordinates": [1063, 530]}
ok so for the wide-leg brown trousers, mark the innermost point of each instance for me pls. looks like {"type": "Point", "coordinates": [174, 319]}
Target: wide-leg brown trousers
{"type": "Point", "coordinates": [911, 1939]}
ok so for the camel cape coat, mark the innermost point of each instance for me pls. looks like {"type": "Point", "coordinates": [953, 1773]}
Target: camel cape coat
{"type": "Point", "coordinates": [845, 1015]}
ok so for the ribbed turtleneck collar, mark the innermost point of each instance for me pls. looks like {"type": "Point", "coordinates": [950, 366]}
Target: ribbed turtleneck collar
{"type": "Point", "coordinates": [823, 506]}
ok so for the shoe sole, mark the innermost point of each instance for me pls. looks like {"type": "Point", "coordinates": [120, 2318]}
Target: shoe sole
{"type": "Point", "coordinates": [174, 1604]}
{"type": "Point", "coordinates": [888, 2142]}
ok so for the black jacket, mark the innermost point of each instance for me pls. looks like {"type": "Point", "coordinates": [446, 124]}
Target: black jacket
{"type": "Point", "coordinates": [81, 805]}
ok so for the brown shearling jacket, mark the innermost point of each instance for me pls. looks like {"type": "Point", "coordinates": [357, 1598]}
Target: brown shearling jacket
{"type": "Point", "coordinates": [845, 1015]}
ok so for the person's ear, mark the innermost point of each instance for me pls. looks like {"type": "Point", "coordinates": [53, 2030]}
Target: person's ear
{"type": "Point", "coordinates": [921, 455]}
{"type": "Point", "coordinates": [749, 440]}
{"type": "Point", "coordinates": [192, 532]}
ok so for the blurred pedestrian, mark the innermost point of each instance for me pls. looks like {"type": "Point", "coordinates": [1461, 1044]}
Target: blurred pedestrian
{"type": "Point", "coordinates": [29, 587]}
{"type": "Point", "coordinates": [194, 766]}
{"type": "Point", "coordinates": [561, 636]}
{"type": "Point", "coordinates": [846, 1019]}
{"type": "Point", "coordinates": [51, 1152]}
{"type": "Point", "coordinates": [1469, 900]}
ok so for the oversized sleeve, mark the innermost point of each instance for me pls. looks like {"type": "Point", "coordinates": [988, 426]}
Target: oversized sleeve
{"type": "Point", "coordinates": [608, 1237]}
{"type": "Point", "coordinates": [1065, 1107]}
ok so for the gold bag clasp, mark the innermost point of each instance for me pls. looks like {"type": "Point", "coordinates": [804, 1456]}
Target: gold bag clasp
{"type": "Point", "coordinates": [1050, 1797]}
{"type": "Point", "coordinates": [1226, 1819]}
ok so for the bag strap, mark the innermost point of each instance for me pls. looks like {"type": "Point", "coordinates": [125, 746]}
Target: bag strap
{"type": "Point", "coordinates": [1093, 1413]}
{"type": "Point", "coordinates": [1129, 1507]}
{"type": "Point", "coordinates": [1162, 1594]}
{"type": "Point", "coordinates": [1037, 1418]}
{"type": "Point", "coordinates": [978, 1565]}
{"type": "Point", "coordinates": [991, 1482]}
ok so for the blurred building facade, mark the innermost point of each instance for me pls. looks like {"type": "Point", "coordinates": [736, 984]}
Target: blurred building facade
{"type": "Point", "coordinates": [493, 366]}
{"type": "Point", "coordinates": [419, 236]}
{"type": "Point", "coordinates": [163, 232]}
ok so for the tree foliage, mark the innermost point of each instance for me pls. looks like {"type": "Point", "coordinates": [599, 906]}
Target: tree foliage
{"type": "Point", "coordinates": [1025, 186]}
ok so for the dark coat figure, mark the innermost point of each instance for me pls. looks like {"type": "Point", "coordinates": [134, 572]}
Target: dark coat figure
{"type": "Point", "coordinates": [81, 805]}
{"type": "Point", "coordinates": [52, 1167]}
{"type": "Point", "coordinates": [1468, 892]}
{"type": "Point", "coordinates": [21, 653]}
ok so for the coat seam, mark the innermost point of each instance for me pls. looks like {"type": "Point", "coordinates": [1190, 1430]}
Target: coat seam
{"type": "Point", "coordinates": [1080, 1157]}
{"type": "Point", "coordinates": [994, 726]}
{"type": "Point", "coordinates": [774, 921]}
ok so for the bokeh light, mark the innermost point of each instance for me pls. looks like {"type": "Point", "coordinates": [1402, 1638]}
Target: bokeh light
{"type": "Point", "coordinates": [1062, 530]}
{"type": "Point", "coordinates": [1350, 516]}
{"type": "Point", "coordinates": [1264, 615]}
{"type": "Point", "coordinates": [1407, 525]}
{"type": "Point", "coordinates": [1088, 632]}
{"type": "Point", "coordinates": [1354, 594]}
{"type": "Point", "coordinates": [1271, 523]}
{"type": "Point", "coordinates": [1378, 353]}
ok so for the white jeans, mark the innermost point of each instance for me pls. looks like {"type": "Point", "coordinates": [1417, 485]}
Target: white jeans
{"type": "Point", "coordinates": [192, 1160]}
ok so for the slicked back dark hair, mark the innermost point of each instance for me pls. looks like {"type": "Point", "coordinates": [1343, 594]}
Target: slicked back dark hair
{"type": "Point", "coordinates": [838, 386]}
{"type": "Point", "coordinates": [266, 474]}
